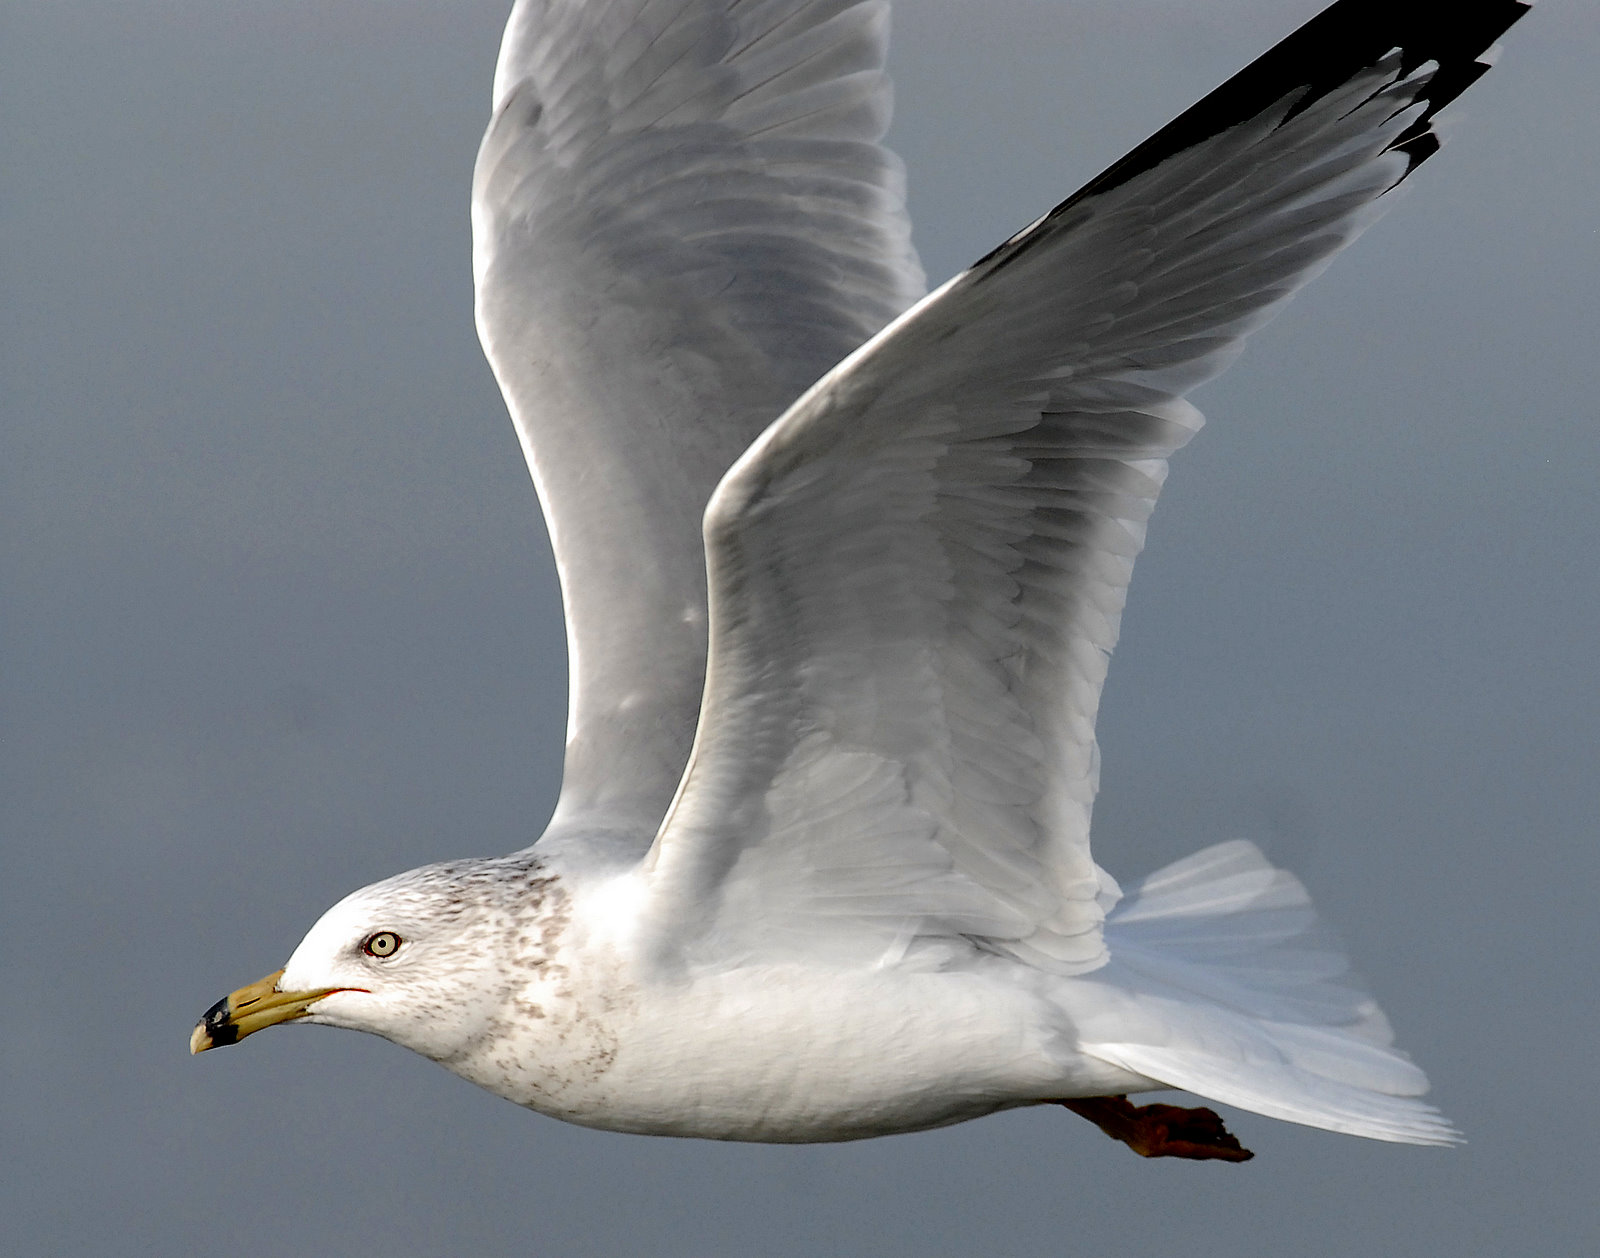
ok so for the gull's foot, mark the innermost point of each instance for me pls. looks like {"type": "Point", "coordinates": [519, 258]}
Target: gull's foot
{"type": "Point", "coordinates": [1162, 1131]}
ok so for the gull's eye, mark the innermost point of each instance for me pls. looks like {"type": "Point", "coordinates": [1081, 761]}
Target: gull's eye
{"type": "Point", "coordinates": [384, 944]}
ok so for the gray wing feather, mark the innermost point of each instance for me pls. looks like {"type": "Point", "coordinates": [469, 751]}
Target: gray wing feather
{"type": "Point", "coordinates": [681, 219]}
{"type": "Point", "coordinates": [918, 574]}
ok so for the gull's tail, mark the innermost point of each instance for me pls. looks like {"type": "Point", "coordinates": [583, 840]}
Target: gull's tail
{"type": "Point", "coordinates": [1221, 983]}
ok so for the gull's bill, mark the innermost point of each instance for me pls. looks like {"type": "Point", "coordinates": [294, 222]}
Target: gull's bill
{"type": "Point", "coordinates": [250, 1009]}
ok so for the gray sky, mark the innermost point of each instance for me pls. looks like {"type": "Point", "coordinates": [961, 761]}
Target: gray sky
{"type": "Point", "coordinates": [279, 619]}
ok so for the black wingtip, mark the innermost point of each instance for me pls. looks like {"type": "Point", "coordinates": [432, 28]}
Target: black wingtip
{"type": "Point", "coordinates": [1341, 42]}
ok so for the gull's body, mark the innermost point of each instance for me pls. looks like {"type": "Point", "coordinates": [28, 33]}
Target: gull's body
{"type": "Point", "coordinates": [595, 1030]}
{"type": "Point", "coordinates": [843, 569]}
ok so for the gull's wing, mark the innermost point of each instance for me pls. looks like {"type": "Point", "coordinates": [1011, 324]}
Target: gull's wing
{"type": "Point", "coordinates": [917, 574]}
{"type": "Point", "coordinates": [681, 219]}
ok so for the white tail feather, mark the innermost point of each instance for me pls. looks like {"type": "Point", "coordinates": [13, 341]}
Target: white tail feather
{"type": "Point", "coordinates": [1238, 995]}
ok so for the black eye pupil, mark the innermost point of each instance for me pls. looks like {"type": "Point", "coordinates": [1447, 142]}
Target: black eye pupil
{"type": "Point", "coordinates": [383, 944]}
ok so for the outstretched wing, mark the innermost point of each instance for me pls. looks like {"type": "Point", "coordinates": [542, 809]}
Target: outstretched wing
{"type": "Point", "coordinates": [681, 219]}
{"type": "Point", "coordinates": [917, 574]}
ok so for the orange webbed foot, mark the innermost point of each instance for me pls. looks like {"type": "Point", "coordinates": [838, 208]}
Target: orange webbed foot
{"type": "Point", "coordinates": [1162, 1131]}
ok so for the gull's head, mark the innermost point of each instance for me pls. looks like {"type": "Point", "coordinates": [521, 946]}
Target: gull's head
{"type": "Point", "coordinates": [419, 959]}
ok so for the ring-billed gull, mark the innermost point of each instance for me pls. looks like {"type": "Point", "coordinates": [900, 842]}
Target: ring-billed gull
{"type": "Point", "coordinates": [820, 867]}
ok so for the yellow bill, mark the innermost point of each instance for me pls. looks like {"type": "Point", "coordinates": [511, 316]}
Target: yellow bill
{"type": "Point", "coordinates": [249, 1010]}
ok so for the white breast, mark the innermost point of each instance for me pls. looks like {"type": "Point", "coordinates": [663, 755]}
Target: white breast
{"type": "Point", "coordinates": [599, 1034]}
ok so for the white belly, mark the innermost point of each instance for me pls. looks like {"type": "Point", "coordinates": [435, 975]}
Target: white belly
{"type": "Point", "coordinates": [783, 1053]}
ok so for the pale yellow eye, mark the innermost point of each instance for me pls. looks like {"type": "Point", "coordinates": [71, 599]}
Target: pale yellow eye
{"type": "Point", "coordinates": [383, 944]}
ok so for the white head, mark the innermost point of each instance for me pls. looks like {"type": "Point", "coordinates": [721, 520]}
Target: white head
{"type": "Point", "coordinates": [420, 959]}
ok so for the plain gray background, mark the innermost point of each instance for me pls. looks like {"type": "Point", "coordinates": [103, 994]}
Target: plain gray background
{"type": "Point", "coordinates": [279, 619]}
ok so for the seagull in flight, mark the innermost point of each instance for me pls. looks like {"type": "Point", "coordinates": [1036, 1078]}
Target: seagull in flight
{"type": "Point", "coordinates": [843, 566]}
